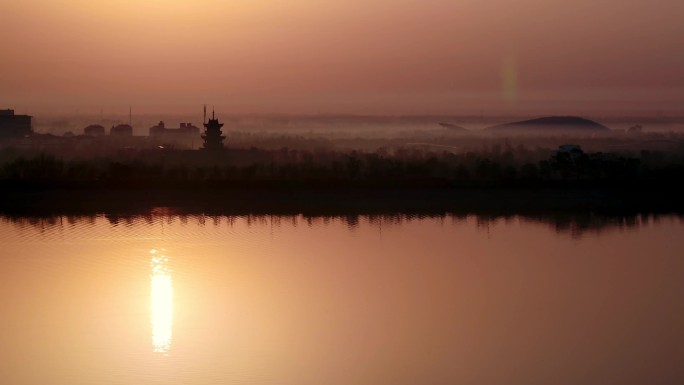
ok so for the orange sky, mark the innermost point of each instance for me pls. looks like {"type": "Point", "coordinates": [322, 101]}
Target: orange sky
{"type": "Point", "coordinates": [333, 56]}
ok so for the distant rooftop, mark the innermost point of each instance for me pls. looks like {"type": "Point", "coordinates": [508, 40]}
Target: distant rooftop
{"type": "Point", "coordinates": [9, 112]}
{"type": "Point", "coordinates": [12, 125]}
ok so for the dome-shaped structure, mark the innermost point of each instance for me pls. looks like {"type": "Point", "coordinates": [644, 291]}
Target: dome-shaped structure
{"type": "Point", "coordinates": [551, 125]}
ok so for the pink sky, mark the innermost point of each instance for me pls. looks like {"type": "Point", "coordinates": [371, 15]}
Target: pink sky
{"type": "Point", "coordinates": [332, 56]}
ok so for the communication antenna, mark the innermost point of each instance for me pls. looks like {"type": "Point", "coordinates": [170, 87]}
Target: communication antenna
{"type": "Point", "coordinates": [212, 112]}
{"type": "Point", "coordinates": [205, 115]}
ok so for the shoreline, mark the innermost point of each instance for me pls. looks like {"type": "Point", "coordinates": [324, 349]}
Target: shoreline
{"type": "Point", "coordinates": [341, 201]}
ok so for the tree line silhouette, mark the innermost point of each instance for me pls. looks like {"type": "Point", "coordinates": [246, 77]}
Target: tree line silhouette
{"type": "Point", "coordinates": [403, 167]}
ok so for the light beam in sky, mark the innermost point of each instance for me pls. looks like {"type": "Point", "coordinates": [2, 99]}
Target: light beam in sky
{"type": "Point", "coordinates": [509, 79]}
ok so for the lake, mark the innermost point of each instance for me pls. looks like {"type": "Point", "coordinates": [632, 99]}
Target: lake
{"type": "Point", "coordinates": [387, 299]}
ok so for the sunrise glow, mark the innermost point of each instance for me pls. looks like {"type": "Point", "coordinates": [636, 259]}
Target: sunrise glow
{"type": "Point", "coordinates": [161, 301]}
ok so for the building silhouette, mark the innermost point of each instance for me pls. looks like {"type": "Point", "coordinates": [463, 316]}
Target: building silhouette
{"type": "Point", "coordinates": [213, 136]}
{"type": "Point", "coordinates": [186, 129]}
{"type": "Point", "coordinates": [94, 130]}
{"type": "Point", "coordinates": [14, 126]}
{"type": "Point", "coordinates": [121, 130]}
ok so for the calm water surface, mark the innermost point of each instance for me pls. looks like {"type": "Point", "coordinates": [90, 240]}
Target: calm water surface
{"type": "Point", "coordinates": [166, 299]}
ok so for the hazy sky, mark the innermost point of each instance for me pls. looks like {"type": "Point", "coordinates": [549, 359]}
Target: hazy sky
{"type": "Point", "coordinates": [331, 56]}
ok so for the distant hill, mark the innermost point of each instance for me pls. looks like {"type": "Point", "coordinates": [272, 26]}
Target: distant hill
{"type": "Point", "coordinates": [454, 127]}
{"type": "Point", "coordinates": [551, 124]}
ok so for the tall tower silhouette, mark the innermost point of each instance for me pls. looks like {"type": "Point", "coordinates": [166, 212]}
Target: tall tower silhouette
{"type": "Point", "coordinates": [213, 138]}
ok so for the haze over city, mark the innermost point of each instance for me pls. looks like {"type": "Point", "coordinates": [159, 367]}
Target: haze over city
{"type": "Point", "coordinates": [376, 57]}
{"type": "Point", "coordinates": [210, 192]}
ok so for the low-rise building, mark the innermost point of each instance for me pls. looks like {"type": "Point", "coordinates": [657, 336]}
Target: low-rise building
{"type": "Point", "coordinates": [94, 130]}
{"type": "Point", "coordinates": [14, 126]}
{"type": "Point", "coordinates": [122, 130]}
{"type": "Point", "coordinates": [185, 129]}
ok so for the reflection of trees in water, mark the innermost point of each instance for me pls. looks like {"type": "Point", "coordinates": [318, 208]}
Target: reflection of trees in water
{"type": "Point", "coordinates": [579, 224]}
{"type": "Point", "coordinates": [47, 223]}
{"type": "Point", "coordinates": [575, 224]}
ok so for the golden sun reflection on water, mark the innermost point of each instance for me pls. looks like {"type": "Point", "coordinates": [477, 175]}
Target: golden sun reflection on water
{"type": "Point", "coordinates": [161, 302]}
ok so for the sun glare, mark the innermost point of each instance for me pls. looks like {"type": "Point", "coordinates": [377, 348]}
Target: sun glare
{"type": "Point", "coordinates": [161, 301]}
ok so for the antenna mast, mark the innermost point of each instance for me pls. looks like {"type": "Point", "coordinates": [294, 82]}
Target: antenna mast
{"type": "Point", "coordinates": [205, 114]}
